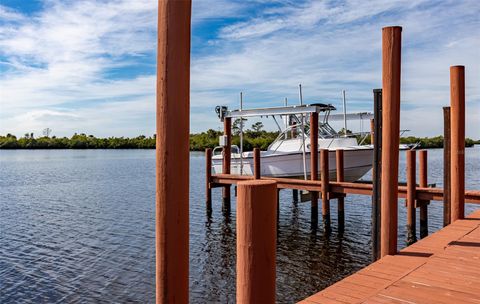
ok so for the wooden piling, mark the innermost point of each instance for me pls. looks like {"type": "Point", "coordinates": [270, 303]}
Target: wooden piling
{"type": "Point", "coordinates": [423, 174]}
{"type": "Point", "coordinates": [457, 141]}
{"type": "Point", "coordinates": [208, 177]}
{"type": "Point", "coordinates": [325, 185]}
{"type": "Point", "coordinates": [256, 163]}
{"type": "Point", "coordinates": [391, 68]}
{"type": "Point", "coordinates": [314, 161]}
{"type": "Point", "coordinates": [377, 174]}
{"type": "Point", "coordinates": [340, 178]}
{"type": "Point", "coordinates": [256, 241]}
{"type": "Point", "coordinates": [172, 151]}
{"type": "Point", "coordinates": [227, 154]}
{"type": "Point", "coordinates": [411, 186]}
{"type": "Point", "coordinates": [446, 166]}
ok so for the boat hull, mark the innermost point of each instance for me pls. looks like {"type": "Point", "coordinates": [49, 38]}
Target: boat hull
{"type": "Point", "coordinates": [357, 162]}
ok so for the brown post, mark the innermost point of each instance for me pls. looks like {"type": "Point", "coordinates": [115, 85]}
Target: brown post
{"type": "Point", "coordinates": [256, 163]}
{"type": "Point", "coordinates": [423, 173]}
{"type": "Point", "coordinates": [256, 241]}
{"type": "Point", "coordinates": [227, 154]}
{"type": "Point", "coordinates": [457, 152]}
{"type": "Point", "coordinates": [314, 162]}
{"type": "Point", "coordinates": [446, 166]}
{"type": "Point", "coordinates": [411, 187]}
{"type": "Point", "coordinates": [372, 131]}
{"type": "Point", "coordinates": [340, 178]}
{"type": "Point", "coordinates": [325, 182]}
{"type": "Point", "coordinates": [391, 61]}
{"type": "Point", "coordinates": [208, 177]}
{"type": "Point", "coordinates": [172, 151]}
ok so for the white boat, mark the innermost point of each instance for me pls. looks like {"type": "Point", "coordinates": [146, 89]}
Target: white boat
{"type": "Point", "coordinates": [289, 154]}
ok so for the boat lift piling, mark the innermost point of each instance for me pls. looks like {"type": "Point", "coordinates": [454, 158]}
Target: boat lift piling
{"type": "Point", "coordinates": [446, 166]}
{"type": "Point", "coordinates": [391, 61]}
{"type": "Point", "coordinates": [208, 176]}
{"type": "Point", "coordinates": [293, 134]}
{"type": "Point", "coordinates": [314, 163]}
{"type": "Point", "coordinates": [172, 152]}
{"type": "Point", "coordinates": [325, 195]}
{"type": "Point", "coordinates": [410, 200]}
{"type": "Point", "coordinates": [457, 141]}
{"type": "Point", "coordinates": [423, 204]}
{"type": "Point", "coordinates": [256, 163]}
{"type": "Point", "coordinates": [341, 198]}
{"type": "Point", "coordinates": [256, 241]}
{"type": "Point", "coordinates": [227, 154]}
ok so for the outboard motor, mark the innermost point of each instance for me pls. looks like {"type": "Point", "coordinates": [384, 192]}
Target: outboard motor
{"type": "Point", "coordinates": [221, 112]}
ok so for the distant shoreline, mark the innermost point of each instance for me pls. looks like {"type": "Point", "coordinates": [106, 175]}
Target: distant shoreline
{"type": "Point", "coordinates": [132, 149]}
{"type": "Point", "coordinates": [198, 142]}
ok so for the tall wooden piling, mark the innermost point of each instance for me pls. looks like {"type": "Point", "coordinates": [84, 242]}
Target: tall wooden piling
{"type": "Point", "coordinates": [227, 154]}
{"type": "Point", "coordinates": [208, 177]}
{"type": "Point", "coordinates": [340, 178]}
{"type": "Point", "coordinates": [325, 182]}
{"type": "Point", "coordinates": [377, 174]}
{"type": "Point", "coordinates": [391, 61]}
{"type": "Point", "coordinates": [457, 141]}
{"type": "Point", "coordinates": [423, 174]}
{"type": "Point", "coordinates": [172, 151]}
{"type": "Point", "coordinates": [411, 186]}
{"type": "Point", "coordinates": [314, 161]}
{"type": "Point", "coordinates": [256, 163]}
{"type": "Point", "coordinates": [256, 241]}
{"type": "Point", "coordinates": [446, 166]}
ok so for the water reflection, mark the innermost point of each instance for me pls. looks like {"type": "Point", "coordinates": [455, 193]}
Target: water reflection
{"type": "Point", "coordinates": [79, 226]}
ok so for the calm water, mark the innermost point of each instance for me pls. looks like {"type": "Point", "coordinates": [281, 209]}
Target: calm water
{"type": "Point", "coordinates": [78, 226]}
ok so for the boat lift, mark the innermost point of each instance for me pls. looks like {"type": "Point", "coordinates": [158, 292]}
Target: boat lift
{"type": "Point", "coordinates": [296, 116]}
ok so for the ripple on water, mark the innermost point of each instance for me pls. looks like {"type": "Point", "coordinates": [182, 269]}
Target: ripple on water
{"type": "Point", "coordinates": [78, 226]}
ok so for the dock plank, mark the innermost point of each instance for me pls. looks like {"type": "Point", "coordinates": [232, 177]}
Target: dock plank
{"type": "Point", "coordinates": [441, 268]}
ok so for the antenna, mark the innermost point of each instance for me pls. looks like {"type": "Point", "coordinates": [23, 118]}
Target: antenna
{"type": "Point", "coordinates": [303, 136]}
{"type": "Point", "coordinates": [241, 135]}
{"type": "Point", "coordinates": [300, 92]}
{"type": "Point", "coordinates": [344, 114]}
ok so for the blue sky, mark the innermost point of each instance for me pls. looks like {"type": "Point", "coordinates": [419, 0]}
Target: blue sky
{"type": "Point", "coordinates": [89, 66]}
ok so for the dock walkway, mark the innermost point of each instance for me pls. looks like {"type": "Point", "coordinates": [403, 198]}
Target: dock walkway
{"type": "Point", "coordinates": [441, 268]}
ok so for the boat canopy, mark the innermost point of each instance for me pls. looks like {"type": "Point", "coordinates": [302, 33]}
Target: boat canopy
{"type": "Point", "coordinates": [223, 112]}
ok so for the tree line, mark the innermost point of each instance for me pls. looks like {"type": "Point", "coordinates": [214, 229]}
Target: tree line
{"type": "Point", "coordinates": [255, 137]}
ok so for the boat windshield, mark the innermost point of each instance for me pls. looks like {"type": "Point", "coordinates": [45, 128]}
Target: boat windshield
{"type": "Point", "coordinates": [296, 131]}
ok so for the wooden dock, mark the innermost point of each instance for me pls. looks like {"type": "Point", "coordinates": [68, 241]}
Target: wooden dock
{"type": "Point", "coordinates": [441, 268]}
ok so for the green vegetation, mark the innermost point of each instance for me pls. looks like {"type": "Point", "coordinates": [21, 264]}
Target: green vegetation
{"type": "Point", "coordinates": [254, 137]}
{"type": "Point", "coordinates": [433, 142]}
{"type": "Point", "coordinates": [77, 141]}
